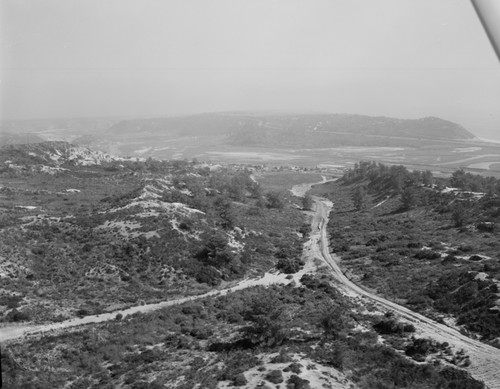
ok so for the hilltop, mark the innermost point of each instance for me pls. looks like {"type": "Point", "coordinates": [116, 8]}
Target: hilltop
{"type": "Point", "coordinates": [332, 141]}
{"type": "Point", "coordinates": [249, 129]}
{"type": "Point", "coordinates": [304, 130]}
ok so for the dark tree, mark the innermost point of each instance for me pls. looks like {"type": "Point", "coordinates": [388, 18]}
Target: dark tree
{"type": "Point", "coordinates": [408, 197]}
{"type": "Point", "coordinates": [360, 198]}
{"type": "Point", "coordinates": [307, 202]}
{"type": "Point", "coordinates": [459, 214]}
{"type": "Point", "coordinates": [275, 199]}
{"type": "Point", "coordinates": [427, 178]}
{"type": "Point", "coordinates": [267, 315]}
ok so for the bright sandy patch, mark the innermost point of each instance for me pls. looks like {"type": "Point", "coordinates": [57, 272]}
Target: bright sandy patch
{"type": "Point", "coordinates": [319, 376]}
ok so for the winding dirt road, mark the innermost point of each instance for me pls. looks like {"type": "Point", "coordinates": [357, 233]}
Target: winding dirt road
{"type": "Point", "coordinates": [485, 359]}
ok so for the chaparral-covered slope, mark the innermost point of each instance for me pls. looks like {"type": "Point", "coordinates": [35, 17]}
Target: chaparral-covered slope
{"type": "Point", "coordinates": [83, 232]}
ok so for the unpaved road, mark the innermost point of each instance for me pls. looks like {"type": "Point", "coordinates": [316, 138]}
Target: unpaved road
{"type": "Point", "coordinates": [13, 332]}
{"type": "Point", "coordinates": [485, 359]}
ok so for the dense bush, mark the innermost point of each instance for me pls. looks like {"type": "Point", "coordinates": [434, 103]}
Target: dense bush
{"type": "Point", "coordinates": [289, 265]}
{"type": "Point", "coordinates": [471, 299]}
{"type": "Point", "coordinates": [388, 326]}
{"type": "Point", "coordinates": [17, 316]}
{"type": "Point", "coordinates": [420, 347]}
{"type": "Point", "coordinates": [427, 254]}
{"type": "Point", "coordinates": [11, 301]}
{"type": "Point", "coordinates": [275, 376]}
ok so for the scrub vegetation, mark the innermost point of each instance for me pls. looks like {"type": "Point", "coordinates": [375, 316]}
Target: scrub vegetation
{"type": "Point", "coordinates": [84, 233]}
{"type": "Point", "coordinates": [429, 243]}
{"type": "Point", "coordinates": [260, 335]}
{"type": "Point", "coordinates": [83, 239]}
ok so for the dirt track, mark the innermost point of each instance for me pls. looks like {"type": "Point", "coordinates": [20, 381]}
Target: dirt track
{"type": "Point", "coordinates": [485, 359]}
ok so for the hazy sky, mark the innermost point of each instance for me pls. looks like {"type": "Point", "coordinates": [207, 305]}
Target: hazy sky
{"type": "Point", "coordinates": [402, 58]}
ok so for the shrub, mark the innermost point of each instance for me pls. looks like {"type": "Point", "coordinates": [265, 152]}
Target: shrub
{"type": "Point", "coordinates": [419, 300]}
{"type": "Point", "coordinates": [486, 227]}
{"type": "Point", "coordinates": [275, 376]}
{"type": "Point", "coordinates": [295, 382]}
{"type": "Point", "coordinates": [450, 258]}
{"type": "Point", "coordinates": [201, 333]}
{"type": "Point", "coordinates": [419, 348]}
{"type": "Point", "coordinates": [10, 301]}
{"type": "Point", "coordinates": [427, 254]}
{"type": "Point", "coordinates": [294, 368]}
{"type": "Point", "coordinates": [208, 275]}
{"type": "Point", "coordinates": [289, 266]}
{"type": "Point", "coordinates": [388, 326]}
{"type": "Point", "coordinates": [267, 315]}
{"type": "Point", "coordinates": [275, 199]}
{"type": "Point", "coordinates": [466, 248]}
{"type": "Point", "coordinates": [240, 380]}
{"type": "Point", "coordinates": [408, 327]}
{"type": "Point", "coordinates": [459, 379]}
{"type": "Point", "coordinates": [282, 357]}
{"type": "Point", "coordinates": [388, 259]}
{"type": "Point", "coordinates": [17, 316]}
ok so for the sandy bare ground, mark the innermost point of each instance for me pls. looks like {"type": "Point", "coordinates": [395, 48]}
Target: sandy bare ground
{"type": "Point", "coordinates": [319, 376]}
{"type": "Point", "coordinates": [300, 190]}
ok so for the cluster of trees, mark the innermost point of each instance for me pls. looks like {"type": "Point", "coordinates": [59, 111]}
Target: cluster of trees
{"type": "Point", "coordinates": [378, 178]}
{"type": "Point", "coordinates": [475, 183]}
{"type": "Point", "coordinates": [397, 177]}
{"type": "Point", "coordinates": [216, 191]}
{"type": "Point", "coordinates": [370, 179]}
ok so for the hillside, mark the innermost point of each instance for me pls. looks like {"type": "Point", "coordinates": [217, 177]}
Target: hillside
{"type": "Point", "coordinates": [388, 222]}
{"type": "Point", "coordinates": [319, 131]}
{"type": "Point", "coordinates": [71, 217]}
{"type": "Point", "coordinates": [304, 130]}
{"type": "Point", "coordinates": [157, 274]}
{"type": "Point", "coordinates": [51, 155]}
{"type": "Point", "coordinates": [333, 141]}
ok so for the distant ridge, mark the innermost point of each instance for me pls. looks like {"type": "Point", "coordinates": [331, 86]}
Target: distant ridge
{"type": "Point", "coordinates": [295, 130]}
